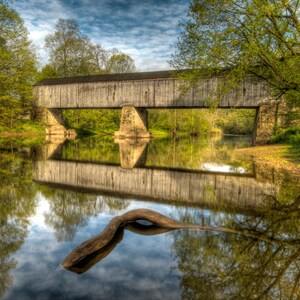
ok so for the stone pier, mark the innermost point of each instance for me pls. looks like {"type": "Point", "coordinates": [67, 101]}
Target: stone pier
{"type": "Point", "coordinates": [265, 123]}
{"type": "Point", "coordinates": [270, 117]}
{"type": "Point", "coordinates": [134, 123]}
{"type": "Point", "coordinates": [53, 121]}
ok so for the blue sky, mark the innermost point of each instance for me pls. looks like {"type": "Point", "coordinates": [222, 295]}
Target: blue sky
{"type": "Point", "coordinates": [147, 30]}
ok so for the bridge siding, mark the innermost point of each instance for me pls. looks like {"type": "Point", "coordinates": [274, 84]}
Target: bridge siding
{"type": "Point", "coordinates": [145, 93]}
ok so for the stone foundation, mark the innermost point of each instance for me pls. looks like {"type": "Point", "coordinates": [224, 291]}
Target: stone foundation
{"type": "Point", "coordinates": [272, 116]}
{"type": "Point", "coordinates": [52, 120]}
{"type": "Point", "coordinates": [265, 122]}
{"type": "Point", "coordinates": [134, 123]}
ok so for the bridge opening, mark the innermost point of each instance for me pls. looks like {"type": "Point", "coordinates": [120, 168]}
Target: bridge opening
{"type": "Point", "coordinates": [197, 121]}
{"type": "Point", "coordinates": [182, 121]}
{"type": "Point", "coordinates": [89, 121]}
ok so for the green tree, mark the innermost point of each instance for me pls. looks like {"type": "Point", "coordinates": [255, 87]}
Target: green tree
{"type": "Point", "coordinates": [17, 66]}
{"type": "Point", "coordinates": [48, 71]}
{"type": "Point", "coordinates": [69, 49]}
{"type": "Point", "coordinates": [192, 122]}
{"type": "Point", "coordinates": [121, 63]}
{"type": "Point", "coordinates": [259, 38]}
{"type": "Point", "coordinates": [72, 53]}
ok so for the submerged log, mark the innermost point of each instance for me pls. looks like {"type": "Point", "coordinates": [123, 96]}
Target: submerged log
{"type": "Point", "coordinates": [98, 242]}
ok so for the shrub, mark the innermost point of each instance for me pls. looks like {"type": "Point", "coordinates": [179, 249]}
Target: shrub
{"type": "Point", "coordinates": [289, 135]}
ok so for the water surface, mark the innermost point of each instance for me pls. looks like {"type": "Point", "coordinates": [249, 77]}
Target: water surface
{"type": "Point", "coordinates": [42, 221]}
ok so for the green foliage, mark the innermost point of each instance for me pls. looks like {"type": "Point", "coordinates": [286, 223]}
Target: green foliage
{"type": "Point", "coordinates": [161, 121]}
{"type": "Point", "coordinates": [120, 63]}
{"type": "Point", "coordinates": [202, 121]}
{"type": "Point", "coordinates": [105, 120]}
{"type": "Point", "coordinates": [17, 66]}
{"type": "Point", "coordinates": [175, 121]}
{"type": "Point", "coordinates": [236, 121]}
{"type": "Point", "coordinates": [289, 135]}
{"type": "Point", "coordinates": [47, 71]}
{"type": "Point", "coordinates": [240, 38]}
{"type": "Point", "coordinates": [69, 49]}
{"type": "Point", "coordinates": [27, 126]}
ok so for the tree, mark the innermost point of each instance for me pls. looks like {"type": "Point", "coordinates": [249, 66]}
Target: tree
{"type": "Point", "coordinates": [17, 66]}
{"type": "Point", "coordinates": [48, 71]}
{"type": "Point", "coordinates": [241, 38]}
{"type": "Point", "coordinates": [72, 53]}
{"type": "Point", "coordinates": [69, 49]}
{"type": "Point", "coordinates": [120, 63]}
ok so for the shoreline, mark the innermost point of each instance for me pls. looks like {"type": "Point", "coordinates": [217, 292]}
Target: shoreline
{"type": "Point", "coordinates": [21, 134]}
{"type": "Point", "coordinates": [277, 156]}
{"type": "Point", "coordinates": [280, 157]}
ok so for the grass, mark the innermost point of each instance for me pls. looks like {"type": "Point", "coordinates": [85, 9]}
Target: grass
{"type": "Point", "coordinates": [22, 128]}
{"type": "Point", "coordinates": [288, 135]}
{"type": "Point", "coordinates": [21, 141]}
{"type": "Point", "coordinates": [284, 154]}
{"type": "Point", "coordinates": [279, 156]}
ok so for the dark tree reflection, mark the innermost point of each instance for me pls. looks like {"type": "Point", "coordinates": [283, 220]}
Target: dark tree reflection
{"type": "Point", "coordinates": [217, 265]}
{"type": "Point", "coordinates": [17, 205]}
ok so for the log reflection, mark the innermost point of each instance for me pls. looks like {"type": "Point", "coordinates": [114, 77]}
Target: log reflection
{"type": "Point", "coordinates": [90, 260]}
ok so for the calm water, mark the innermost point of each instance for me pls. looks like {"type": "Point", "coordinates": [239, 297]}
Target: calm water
{"type": "Point", "coordinates": [53, 197]}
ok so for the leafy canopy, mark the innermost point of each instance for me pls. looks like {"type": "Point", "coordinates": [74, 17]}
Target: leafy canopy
{"type": "Point", "coordinates": [17, 66]}
{"type": "Point", "coordinates": [72, 53]}
{"type": "Point", "coordinates": [252, 37]}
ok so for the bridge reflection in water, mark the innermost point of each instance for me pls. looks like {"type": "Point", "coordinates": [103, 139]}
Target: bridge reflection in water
{"type": "Point", "coordinates": [132, 178]}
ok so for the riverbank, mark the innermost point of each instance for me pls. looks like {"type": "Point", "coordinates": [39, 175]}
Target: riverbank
{"type": "Point", "coordinates": [23, 128]}
{"type": "Point", "coordinates": [20, 134]}
{"type": "Point", "coordinates": [285, 158]}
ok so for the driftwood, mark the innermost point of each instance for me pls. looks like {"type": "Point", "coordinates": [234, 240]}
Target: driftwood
{"type": "Point", "coordinates": [90, 260]}
{"type": "Point", "coordinates": [97, 243]}
{"type": "Point", "coordinates": [93, 250]}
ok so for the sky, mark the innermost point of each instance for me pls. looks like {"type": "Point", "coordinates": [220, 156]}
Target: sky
{"type": "Point", "coordinates": [147, 30]}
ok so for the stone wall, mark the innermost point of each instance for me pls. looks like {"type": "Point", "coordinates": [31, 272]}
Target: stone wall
{"type": "Point", "coordinates": [272, 116]}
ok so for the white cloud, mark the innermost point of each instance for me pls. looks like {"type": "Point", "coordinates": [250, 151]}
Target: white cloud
{"type": "Point", "coordinates": [147, 31]}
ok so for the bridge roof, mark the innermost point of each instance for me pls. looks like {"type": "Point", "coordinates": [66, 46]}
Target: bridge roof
{"type": "Point", "coordinates": [108, 77]}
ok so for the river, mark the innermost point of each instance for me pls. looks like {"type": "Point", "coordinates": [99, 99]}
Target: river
{"type": "Point", "coordinates": [56, 195]}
